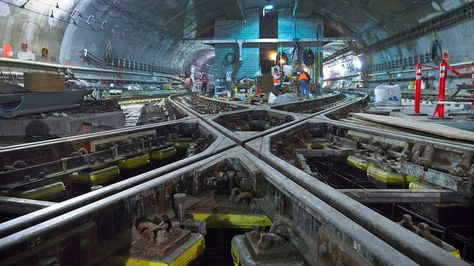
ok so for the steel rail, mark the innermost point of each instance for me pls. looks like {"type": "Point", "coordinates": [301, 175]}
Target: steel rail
{"type": "Point", "coordinates": [93, 135]}
{"type": "Point", "coordinates": [393, 134]}
{"type": "Point", "coordinates": [400, 135]}
{"type": "Point", "coordinates": [220, 144]}
{"type": "Point", "coordinates": [419, 249]}
{"type": "Point", "coordinates": [298, 118]}
{"type": "Point", "coordinates": [203, 116]}
{"type": "Point", "coordinates": [211, 120]}
{"type": "Point", "coordinates": [359, 242]}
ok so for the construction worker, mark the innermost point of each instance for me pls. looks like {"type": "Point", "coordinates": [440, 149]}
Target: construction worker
{"type": "Point", "coordinates": [187, 81]}
{"type": "Point", "coordinates": [204, 81]}
{"type": "Point", "coordinates": [276, 80]}
{"type": "Point", "coordinates": [304, 84]}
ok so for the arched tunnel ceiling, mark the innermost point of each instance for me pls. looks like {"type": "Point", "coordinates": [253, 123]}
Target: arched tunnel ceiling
{"type": "Point", "coordinates": [372, 20]}
{"type": "Point", "coordinates": [152, 31]}
{"type": "Point", "coordinates": [368, 20]}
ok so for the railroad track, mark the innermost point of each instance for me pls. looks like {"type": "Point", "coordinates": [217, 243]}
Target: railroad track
{"type": "Point", "coordinates": [319, 217]}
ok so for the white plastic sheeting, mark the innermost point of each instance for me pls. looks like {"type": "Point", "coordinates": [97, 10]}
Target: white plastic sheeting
{"type": "Point", "coordinates": [388, 95]}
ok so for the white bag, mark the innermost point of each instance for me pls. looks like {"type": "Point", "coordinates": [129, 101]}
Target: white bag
{"type": "Point", "coordinates": [271, 98]}
{"type": "Point", "coordinates": [390, 95]}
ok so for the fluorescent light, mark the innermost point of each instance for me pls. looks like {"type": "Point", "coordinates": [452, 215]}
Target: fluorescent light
{"type": "Point", "coordinates": [268, 7]}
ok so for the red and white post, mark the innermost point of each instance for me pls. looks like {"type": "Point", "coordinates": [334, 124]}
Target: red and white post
{"type": "Point", "coordinates": [418, 88]}
{"type": "Point", "coordinates": [439, 110]}
{"type": "Point", "coordinates": [472, 83]}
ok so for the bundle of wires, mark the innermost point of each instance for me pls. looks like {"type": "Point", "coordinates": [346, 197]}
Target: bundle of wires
{"type": "Point", "coordinates": [88, 57]}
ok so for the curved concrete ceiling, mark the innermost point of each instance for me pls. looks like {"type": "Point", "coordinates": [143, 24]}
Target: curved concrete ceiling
{"type": "Point", "coordinates": [151, 31]}
{"type": "Point", "coordinates": [372, 20]}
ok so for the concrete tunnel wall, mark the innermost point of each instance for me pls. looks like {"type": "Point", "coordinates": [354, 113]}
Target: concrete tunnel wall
{"type": "Point", "coordinates": [72, 29]}
{"type": "Point", "coordinates": [37, 29]}
{"type": "Point", "coordinates": [457, 39]}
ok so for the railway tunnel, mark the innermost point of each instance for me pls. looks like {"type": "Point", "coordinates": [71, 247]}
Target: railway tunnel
{"type": "Point", "coordinates": [236, 132]}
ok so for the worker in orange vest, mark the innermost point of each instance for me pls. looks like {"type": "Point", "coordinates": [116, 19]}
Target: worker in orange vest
{"type": "Point", "coordinates": [276, 80]}
{"type": "Point", "coordinates": [304, 84]}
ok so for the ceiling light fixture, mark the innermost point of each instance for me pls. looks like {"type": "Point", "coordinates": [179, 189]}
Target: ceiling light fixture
{"type": "Point", "coordinates": [267, 8]}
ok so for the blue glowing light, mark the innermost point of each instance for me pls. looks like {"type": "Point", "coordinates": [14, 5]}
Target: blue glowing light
{"type": "Point", "coordinates": [268, 7]}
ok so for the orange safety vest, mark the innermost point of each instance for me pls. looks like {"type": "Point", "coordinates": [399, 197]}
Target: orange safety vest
{"type": "Point", "coordinates": [303, 76]}
{"type": "Point", "coordinates": [276, 81]}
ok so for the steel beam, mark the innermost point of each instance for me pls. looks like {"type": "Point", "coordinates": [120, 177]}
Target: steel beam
{"type": "Point", "coordinates": [233, 9]}
{"type": "Point", "coordinates": [242, 10]}
{"type": "Point", "coordinates": [270, 40]}
{"type": "Point", "coordinates": [16, 63]}
{"type": "Point", "coordinates": [184, 11]}
{"type": "Point", "coordinates": [22, 206]}
{"type": "Point", "coordinates": [295, 7]}
{"type": "Point", "coordinates": [338, 53]}
{"type": "Point", "coordinates": [462, 186]}
{"type": "Point", "coordinates": [303, 9]}
{"type": "Point", "coordinates": [404, 196]}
